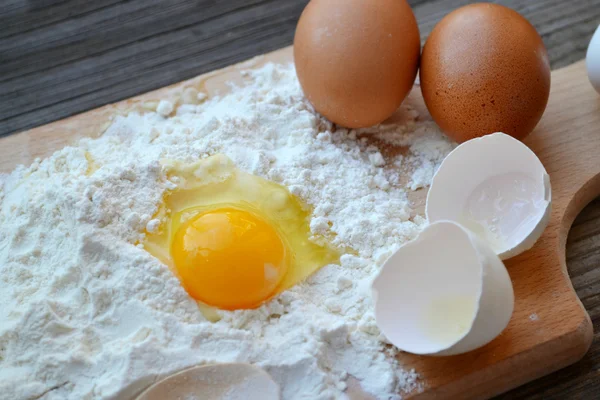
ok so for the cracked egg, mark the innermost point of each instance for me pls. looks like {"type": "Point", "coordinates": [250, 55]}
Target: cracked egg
{"type": "Point", "coordinates": [235, 240]}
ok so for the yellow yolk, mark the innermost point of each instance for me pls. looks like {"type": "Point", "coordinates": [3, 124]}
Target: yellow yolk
{"type": "Point", "coordinates": [229, 258]}
{"type": "Point", "coordinates": [233, 239]}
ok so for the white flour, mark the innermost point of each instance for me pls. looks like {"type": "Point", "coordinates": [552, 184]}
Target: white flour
{"type": "Point", "coordinates": [88, 315]}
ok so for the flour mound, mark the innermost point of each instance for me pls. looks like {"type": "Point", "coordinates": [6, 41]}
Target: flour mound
{"type": "Point", "coordinates": [88, 314]}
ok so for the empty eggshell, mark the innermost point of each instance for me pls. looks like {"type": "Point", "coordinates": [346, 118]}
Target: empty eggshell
{"type": "Point", "coordinates": [496, 187]}
{"type": "Point", "coordinates": [215, 382]}
{"type": "Point", "coordinates": [592, 60]}
{"type": "Point", "coordinates": [444, 293]}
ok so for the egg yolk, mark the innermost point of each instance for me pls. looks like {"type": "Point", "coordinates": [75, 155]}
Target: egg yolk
{"type": "Point", "coordinates": [229, 258]}
{"type": "Point", "coordinates": [234, 240]}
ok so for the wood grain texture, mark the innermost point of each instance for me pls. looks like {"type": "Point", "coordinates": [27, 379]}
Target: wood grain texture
{"type": "Point", "coordinates": [62, 57]}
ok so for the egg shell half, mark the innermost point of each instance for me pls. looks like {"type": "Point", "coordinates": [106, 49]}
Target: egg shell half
{"type": "Point", "coordinates": [215, 382]}
{"type": "Point", "coordinates": [592, 60]}
{"type": "Point", "coordinates": [446, 261]}
{"type": "Point", "coordinates": [356, 60]}
{"type": "Point", "coordinates": [484, 68]}
{"type": "Point", "coordinates": [498, 188]}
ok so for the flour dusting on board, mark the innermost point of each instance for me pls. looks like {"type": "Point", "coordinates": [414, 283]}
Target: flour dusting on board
{"type": "Point", "coordinates": [87, 313]}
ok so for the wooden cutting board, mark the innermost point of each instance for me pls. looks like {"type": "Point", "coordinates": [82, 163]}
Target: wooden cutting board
{"type": "Point", "coordinates": [550, 328]}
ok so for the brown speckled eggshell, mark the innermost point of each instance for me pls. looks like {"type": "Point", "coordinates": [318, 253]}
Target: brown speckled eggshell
{"type": "Point", "coordinates": [356, 60]}
{"type": "Point", "coordinates": [485, 69]}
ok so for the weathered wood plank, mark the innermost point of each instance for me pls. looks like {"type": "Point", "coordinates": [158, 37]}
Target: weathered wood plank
{"type": "Point", "coordinates": [125, 48]}
{"type": "Point", "coordinates": [59, 58]}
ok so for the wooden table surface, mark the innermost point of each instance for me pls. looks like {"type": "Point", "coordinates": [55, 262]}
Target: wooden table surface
{"type": "Point", "coordinates": [63, 57]}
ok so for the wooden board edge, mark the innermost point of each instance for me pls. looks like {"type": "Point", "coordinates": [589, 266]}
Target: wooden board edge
{"type": "Point", "coordinates": [555, 355]}
{"type": "Point", "coordinates": [547, 357]}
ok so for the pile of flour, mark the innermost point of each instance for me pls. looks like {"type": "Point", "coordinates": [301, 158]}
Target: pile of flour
{"type": "Point", "coordinates": [88, 314]}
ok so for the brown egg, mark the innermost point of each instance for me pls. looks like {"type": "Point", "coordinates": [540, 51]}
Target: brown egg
{"type": "Point", "coordinates": [357, 59]}
{"type": "Point", "coordinates": [485, 69]}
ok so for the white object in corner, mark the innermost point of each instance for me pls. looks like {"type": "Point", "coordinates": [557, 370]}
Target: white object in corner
{"type": "Point", "coordinates": [592, 60]}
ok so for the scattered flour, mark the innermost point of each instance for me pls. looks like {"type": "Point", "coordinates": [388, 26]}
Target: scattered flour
{"type": "Point", "coordinates": [533, 317]}
{"type": "Point", "coordinates": [88, 314]}
{"type": "Point", "coordinates": [165, 108]}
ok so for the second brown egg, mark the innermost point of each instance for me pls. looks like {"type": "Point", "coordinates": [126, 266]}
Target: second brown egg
{"type": "Point", "coordinates": [485, 69]}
